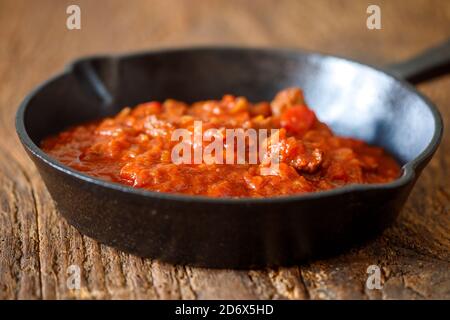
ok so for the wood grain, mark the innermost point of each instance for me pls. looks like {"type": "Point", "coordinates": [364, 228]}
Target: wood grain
{"type": "Point", "coordinates": [37, 246]}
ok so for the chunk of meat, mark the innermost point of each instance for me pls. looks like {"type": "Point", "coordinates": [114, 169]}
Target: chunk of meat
{"type": "Point", "coordinates": [260, 109]}
{"type": "Point", "coordinates": [155, 127]}
{"type": "Point", "coordinates": [293, 152]}
{"type": "Point", "coordinates": [308, 161]}
{"type": "Point", "coordinates": [285, 99]}
{"type": "Point", "coordinates": [173, 109]}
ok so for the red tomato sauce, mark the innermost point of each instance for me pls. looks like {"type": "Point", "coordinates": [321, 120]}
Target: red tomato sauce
{"type": "Point", "coordinates": [134, 148]}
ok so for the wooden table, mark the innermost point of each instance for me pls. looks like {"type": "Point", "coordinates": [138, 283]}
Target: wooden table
{"type": "Point", "coordinates": [37, 246]}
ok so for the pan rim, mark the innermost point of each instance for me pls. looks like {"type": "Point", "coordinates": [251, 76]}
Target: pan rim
{"type": "Point", "coordinates": [408, 169]}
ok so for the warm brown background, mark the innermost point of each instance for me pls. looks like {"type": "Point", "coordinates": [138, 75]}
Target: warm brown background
{"type": "Point", "coordinates": [36, 245]}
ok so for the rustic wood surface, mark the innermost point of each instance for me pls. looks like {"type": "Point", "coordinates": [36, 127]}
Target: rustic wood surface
{"type": "Point", "coordinates": [37, 245]}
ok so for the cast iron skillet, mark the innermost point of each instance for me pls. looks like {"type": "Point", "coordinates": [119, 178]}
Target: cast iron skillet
{"type": "Point", "coordinates": [354, 99]}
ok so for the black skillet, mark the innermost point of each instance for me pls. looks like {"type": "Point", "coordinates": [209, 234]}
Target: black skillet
{"type": "Point", "coordinates": [354, 99]}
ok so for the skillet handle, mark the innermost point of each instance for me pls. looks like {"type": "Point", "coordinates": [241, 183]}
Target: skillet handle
{"type": "Point", "coordinates": [432, 63]}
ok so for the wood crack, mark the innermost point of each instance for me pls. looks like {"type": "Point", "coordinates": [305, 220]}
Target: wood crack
{"type": "Point", "coordinates": [191, 288]}
{"type": "Point", "coordinates": [303, 282]}
{"type": "Point", "coordinates": [36, 211]}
